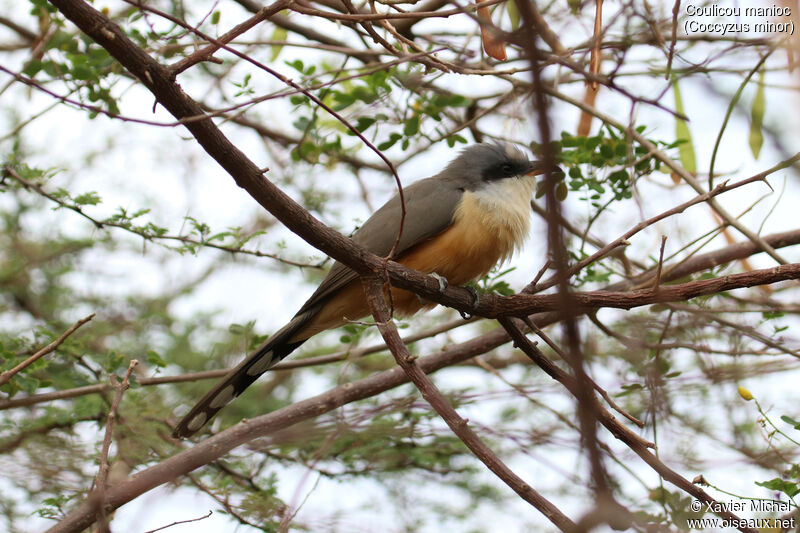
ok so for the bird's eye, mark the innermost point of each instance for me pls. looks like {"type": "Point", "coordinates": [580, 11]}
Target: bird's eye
{"type": "Point", "coordinates": [507, 168]}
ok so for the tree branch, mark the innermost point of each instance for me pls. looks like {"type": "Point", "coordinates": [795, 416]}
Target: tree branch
{"type": "Point", "coordinates": [6, 376]}
{"type": "Point", "coordinates": [373, 287]}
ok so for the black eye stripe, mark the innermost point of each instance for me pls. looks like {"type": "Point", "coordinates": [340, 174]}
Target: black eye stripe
{"type": "Point", "coordinates": [501, 170]}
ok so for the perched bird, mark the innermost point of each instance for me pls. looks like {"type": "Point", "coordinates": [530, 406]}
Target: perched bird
{"type": "Point", "coordinates": [459, 224]}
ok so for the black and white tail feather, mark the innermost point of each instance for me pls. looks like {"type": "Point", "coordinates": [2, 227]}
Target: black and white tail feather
{"type": "Point", "coordinates": [274, 350]}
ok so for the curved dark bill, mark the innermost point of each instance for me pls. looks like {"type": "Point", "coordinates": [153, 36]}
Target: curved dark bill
{"type": "Point", "coordinates": [536, 168]}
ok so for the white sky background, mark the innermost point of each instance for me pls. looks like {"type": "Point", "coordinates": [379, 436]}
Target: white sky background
{"type": "Point", "coordinates": [179, 180]}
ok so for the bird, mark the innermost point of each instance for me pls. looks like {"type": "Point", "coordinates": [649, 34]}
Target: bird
{"type": "Point", "coordinates": [458, 225]}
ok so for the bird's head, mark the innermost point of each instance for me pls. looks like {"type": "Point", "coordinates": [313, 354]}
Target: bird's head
{"type": "Point", "coordinates": [481, 165]}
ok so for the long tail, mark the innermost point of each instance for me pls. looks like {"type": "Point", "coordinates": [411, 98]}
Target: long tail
{"type": "Point", "coordinates": [232, 385]}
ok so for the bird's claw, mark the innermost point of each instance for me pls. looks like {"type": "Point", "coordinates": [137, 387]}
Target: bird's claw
{"type": "Point", "coordinates": [442, 286]}
{"type": "Point", "coordinates": [441, 279]}
{"type": "Point", "coordinates": [476, 298]}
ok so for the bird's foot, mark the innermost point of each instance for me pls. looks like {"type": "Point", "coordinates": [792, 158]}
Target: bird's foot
{"type": "Point", "coordinates": [441, 279]}
{"type": "Point", "coordinates": [442, 286]}
{"type": "Point", "coordinates": [476, 298]}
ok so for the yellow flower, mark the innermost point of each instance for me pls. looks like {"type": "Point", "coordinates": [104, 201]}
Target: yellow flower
{"type": "Point", "coordinates": [745, 394]}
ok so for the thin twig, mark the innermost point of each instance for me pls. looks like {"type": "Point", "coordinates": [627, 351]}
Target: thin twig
{"type": "Point", "coordinates": [180, 522]}
{"type": "Point", "coordinates": [680, 171]}
{"type": "Point", "coordinates": [623, 239]}
{"type": "Point", "coordinates": [634, 442]}
{"type": "Point", "coordinates": [546, 338]}
{"type": "Point", "coordinates": [657, 281]}
{"type": "Point", "coordinates": [204, 54]}
{"type": "Point", "coordinates": [676, 8]}
{"type": "Point", "coordinates": [594, 62]}
{"type": "Point", "coordinates": [6, 376]}
{"type": "Point", "coordinates": [100, 482]}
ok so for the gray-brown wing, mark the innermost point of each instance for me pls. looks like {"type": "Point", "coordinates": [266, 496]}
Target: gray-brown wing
{"type": "Point", "coordinates": [430, 205]}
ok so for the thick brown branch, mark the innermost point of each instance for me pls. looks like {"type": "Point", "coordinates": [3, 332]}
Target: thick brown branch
{"type": "Point", "coordinates": [459, 426]}
{"type": "Point", "coordinates": [523, 304]}
{"type": "Point", "coordinates": [220, 444]}
{"type": "Point", "coordinates": [160, 82]}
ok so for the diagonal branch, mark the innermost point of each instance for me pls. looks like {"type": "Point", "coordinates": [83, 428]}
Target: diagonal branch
{"type": "Point", "coordinates": [621, 432]}
{"type": "Point", "coordinates": [374, 292]}
{"type": "Point", "coordinates": [225, 441]}
{"type": "Point", "coordinates": [6, 376]}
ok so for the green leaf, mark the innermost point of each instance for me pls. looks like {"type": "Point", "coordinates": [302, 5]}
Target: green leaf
{"type": "Point", "coordinates": [82, 72]}
{"type": "Point", "coordinates": [685, 149]}
{"type": "Point", "coordinates": [561, 191]}
{"type": "Point", "coordinates": [32, 67]}
{"type": "Point", "coordinates": [342, 100]}
{"type": "Point", "coordinates": [215, 16]}
{"type": "Point", "coordinates": [780, 485]}
{"type": "Point", "coordinates": [155, 360]}
{"type": "Point", "coordinates": [629, 389]}
{"type": "Point", "coordinates": [364, 123]}
{"type": "Point", "coordinates": [791, 421]}
{"type": "Point", "coordinates": [280, 34]}
{"type": "Point", "coordinates": [513, 14]}
{"type": "Point", "coordinates": [756, 139]}
{"type": "Point", "coordinates": [89, 198]}
{"type": "Point", "coordinates": [455, 138]}
{"type": "Point", "coordinates": [296, 64]}
{"type": "Point", "coordinates": [411, 126]}
{"type": "Point", "coordinates": [27, 384]}
{"type": "Point", "coordinates": [393, 138]}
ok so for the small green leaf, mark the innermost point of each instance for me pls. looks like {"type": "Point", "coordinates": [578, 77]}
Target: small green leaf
{"type": "Point", "coordinates": [237, 329]}
{"type": "Point", "coordinates": [82, 72]}
{"type": "Point", "coordinates": [561, 191]}
{"type": "Point", "coordinates": [685, 149]}
{"type": "Point", "coordinates": [411, 126]}
{"type": "Point", "coordinates": [215, 16]}
{"type": "Point", "coordinates": [364, 123]}
{"type": "Point", "coordinates": [32, 67]}
{"type": "Point", "coordinates": [628, 389]}
{"type": "Point", "coordinates": [27, 384]}
{"type": "Point", "coordinates": [513, 14]}
{"type": "Point", "coordinates": [342, 100]}
{"type": "Point", "coordinates": [280, 34]}
{"type": "Point", "coordinates": [296, 64]}
{"type": "Point", "coordinates": [780, 485]}
{"type": "Point", "coordinates": [89, 198]}
{"type": "Point", "coordinates": [393, 138]}
{"type": "Point", "coordinates": [791, 421]}
{"type": "Point", "coordinates": [756, 139]}
{"type": "Point", "coordinates": [155, 360]}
